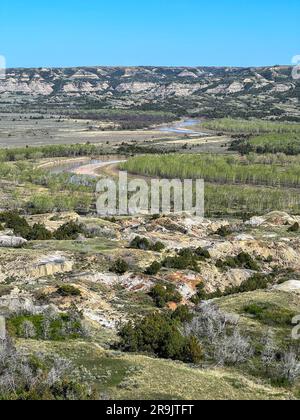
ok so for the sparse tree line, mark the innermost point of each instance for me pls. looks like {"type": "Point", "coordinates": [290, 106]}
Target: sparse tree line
{"type": "Point", "coordinates": [51, 151]}
{"type": "Point", "coordinates": [126, 119]}
{"type": "Point", "coordinates": [288, 144]}
{"type": "Point", "coordinates": [251, 126]}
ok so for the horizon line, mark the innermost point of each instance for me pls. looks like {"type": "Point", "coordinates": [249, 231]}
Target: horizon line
{"type": "Point", "coordinates": [146, 66]}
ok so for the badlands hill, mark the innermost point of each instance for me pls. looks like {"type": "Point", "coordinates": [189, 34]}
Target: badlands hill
{"type": "Point", "coordinates": [206, 91]}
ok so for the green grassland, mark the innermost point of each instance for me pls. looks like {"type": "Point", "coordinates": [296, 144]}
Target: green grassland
{"type": "Point", "coordinates": [89, 246]}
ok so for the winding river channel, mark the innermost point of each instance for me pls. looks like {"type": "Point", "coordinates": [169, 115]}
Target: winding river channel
{"type": "Point", "coordinates": [90, 167]}
{"type": "Point", "coordinates": [183, 127]}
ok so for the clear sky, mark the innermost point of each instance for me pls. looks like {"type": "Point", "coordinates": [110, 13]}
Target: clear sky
{"type": "Point", "coordinates": [62, 33]}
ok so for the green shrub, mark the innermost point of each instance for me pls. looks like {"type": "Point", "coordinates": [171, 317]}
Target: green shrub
{"type": "Point", "coordinates": [192, 351]}
{"type": "Point", "coordinates": [243, 260]}
{"type": "Point", "coordinates": [69, 231]}
{"type": "Point", "coordinates": [162, 294]}
{"type": "Point", "coordinates": [202, 253]}
{"type": "Point", "coordinates": [18, 224]}
{"type": "Point", "coordinates": [223, 231]}
{"type": "Point", "coordinates": [186, 259]}
{"type": "Point", "coordinates": [270, 314]}
{"type": "Point", "coordinates": [140, 243]}
{"type": "Point", "coordinates": [159, 334]}
{"type": "Point", "coordinates": [294, 228]}
{"type": "Point", "coordinates": [39, 233]}
{"type": "Point", "coordinates": [178, 263]}
{"type": "Point", "coordinates": [158, 247]}
{"type": "Point", "coordinates": [255, 282]}
{"type": "Point", "coordinates": [120, 266]}
{"type": "Point", "coordinates": [153, 269]}
{"type": "Point", "coordinates": [5, 290]}
{"type": "Point", "coordinates": [145, 245]}
{"type": "Point", "coordinates": [182, 314]}
{"type": "Point", "coordinates": [68, 290]}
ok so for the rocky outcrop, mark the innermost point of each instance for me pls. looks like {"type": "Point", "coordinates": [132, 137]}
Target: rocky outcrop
{"type": "Point", "coordinates": [289, 286]}
{"type": "Point", "coordinates": [275, 218]}
{"type": "Point", "coordinates": [11, 241]}
{"type": "Point", "coordinates": [28, 265]}
{"type": "Point", "coordinates": [49, 266]}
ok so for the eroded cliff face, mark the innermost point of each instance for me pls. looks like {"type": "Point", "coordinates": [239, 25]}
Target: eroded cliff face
{"type": "Point", "coordinates": [26, 265]}
{"type": "Point", "coordinates": [130, 87]}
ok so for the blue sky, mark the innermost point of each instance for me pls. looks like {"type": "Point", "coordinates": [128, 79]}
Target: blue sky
{"type": "Point", "coordinates": [149, 32]}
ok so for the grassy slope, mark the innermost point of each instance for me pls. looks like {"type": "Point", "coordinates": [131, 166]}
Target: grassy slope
{"type": "Point", "coordinates": [129, 376]}
{"type": "Point", "coordinates": [282, 300]}
{"type": "Point", "coordinates": [126, 376]}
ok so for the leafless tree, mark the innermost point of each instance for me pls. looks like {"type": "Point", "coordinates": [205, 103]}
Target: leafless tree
{"type": "Point", "coordinates": [28, 329]}
{"type": "Point", "coordinates": [268, 355]}
{"type": "Point", "coordinates": [220, 334]}
{"type": "Point", "coordinates": [17, 373]}
{"type": "Point", "coordinates": [46, 328]}
{"type": "Point", "coordinates": [289, 367]}
{"type": "Point", "coordinates": [59, 369]}
{"type": "Point", "coordinates": [210, 323]}
{"type": "Point", "coordinates": [233, 349]}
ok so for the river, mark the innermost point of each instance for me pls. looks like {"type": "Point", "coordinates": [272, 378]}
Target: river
{"type": "Point", "coordinates": [183, 127]}
{"type": "Point", "coordinates": [90, 167]}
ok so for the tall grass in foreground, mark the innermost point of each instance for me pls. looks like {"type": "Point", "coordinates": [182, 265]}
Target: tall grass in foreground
{"type": "Point", "coordinates": [255, 126]}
